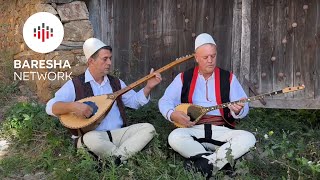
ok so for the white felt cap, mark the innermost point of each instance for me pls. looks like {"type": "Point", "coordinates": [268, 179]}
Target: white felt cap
{"type": "Point", "coordinates": [91, 46]}
{"type": "Point", "coordinates": [202, 39]}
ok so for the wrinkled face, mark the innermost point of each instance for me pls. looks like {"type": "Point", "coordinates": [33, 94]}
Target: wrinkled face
{"type": "Point", "coordinates": [206, 56]}
{"type": "Point", "coordinates": [102, 64]}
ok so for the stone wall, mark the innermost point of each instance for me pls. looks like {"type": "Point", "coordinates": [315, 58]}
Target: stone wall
{"type": "Point", "coordinates": [77, 28]}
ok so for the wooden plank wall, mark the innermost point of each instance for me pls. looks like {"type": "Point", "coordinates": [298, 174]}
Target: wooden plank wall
{"type": "Point", "coordinates": [152, 33]}
{"type": "Point", "coordinates": [283, 49]}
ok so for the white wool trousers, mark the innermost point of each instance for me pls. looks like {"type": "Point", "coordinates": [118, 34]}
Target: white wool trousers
{"type": "Point", "coordinates": [122, 142]}
{"type": "Point", "coordinates": [185, 141]}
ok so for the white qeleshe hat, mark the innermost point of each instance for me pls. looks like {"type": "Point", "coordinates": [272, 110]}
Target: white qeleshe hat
{"type": "Point", "coordinates": [202, 39]}
{"type": "Point", "coordinates": [92, 45]}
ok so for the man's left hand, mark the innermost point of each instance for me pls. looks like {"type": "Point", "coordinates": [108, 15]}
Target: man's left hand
{"type": "Point", "coordinates": [153, 81]}
{"type": "Point", "coordinates": [236, 108]}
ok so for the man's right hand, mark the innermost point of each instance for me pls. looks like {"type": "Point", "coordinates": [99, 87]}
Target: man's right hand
{"type": "Point", "coordinates": [181, 118]}
{"type": "Point", "coordinates": [81, 109]}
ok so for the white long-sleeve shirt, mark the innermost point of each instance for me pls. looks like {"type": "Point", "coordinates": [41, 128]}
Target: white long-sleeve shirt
{"type": "Point", "coordinates": [113, 119]}
{"type": "Point", "coordinates": [204, 95]}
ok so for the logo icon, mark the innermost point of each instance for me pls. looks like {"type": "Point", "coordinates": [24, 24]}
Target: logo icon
{"type": "Point", "coordinates": [43, 32]}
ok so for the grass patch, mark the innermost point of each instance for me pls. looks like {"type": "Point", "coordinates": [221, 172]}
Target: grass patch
{"type": "Point", "coordinates": [287, 148]}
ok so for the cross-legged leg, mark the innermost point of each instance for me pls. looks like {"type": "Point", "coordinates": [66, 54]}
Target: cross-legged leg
{"type": "Point", "coordinates": [186, 141]}
{"type": "Point", "coordinates": [122, 142]}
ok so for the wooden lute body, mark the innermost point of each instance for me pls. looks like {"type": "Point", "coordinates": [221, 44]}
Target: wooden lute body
{"type": "Point", "coordinates": [103, 103]}
{"type": "Point", "coordinates": [196, 112]}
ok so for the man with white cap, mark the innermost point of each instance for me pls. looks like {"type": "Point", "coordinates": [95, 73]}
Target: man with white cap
{"type": "Point", "coordinates": [209, 143]}
{"type": "Point", "coordinates": [111, 137]}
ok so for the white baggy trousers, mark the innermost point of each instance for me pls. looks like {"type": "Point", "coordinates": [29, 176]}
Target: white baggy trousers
{"type": "Point", "coordinates": [184, 141]}
{"type": "Point", "coordinates": [123, 142]}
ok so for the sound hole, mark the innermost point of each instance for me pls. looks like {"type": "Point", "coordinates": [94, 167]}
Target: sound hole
{"type": "Point", "coordinates": [194, 112]}
{"type": "Point", "coordinates": [93, 106]}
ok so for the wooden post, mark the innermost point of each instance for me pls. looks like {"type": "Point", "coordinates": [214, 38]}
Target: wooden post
{"type": "Point", "coordinates": [245, 42]}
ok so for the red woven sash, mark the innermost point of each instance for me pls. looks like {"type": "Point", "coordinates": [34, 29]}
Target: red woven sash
{"type": "Point", "coordinates": [210, 119]}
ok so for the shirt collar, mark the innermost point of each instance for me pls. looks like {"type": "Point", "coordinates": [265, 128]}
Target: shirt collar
{"type": "Point", "coordinates": [211, 77]}
{"type": "Point", "coordinates": [88, 77]}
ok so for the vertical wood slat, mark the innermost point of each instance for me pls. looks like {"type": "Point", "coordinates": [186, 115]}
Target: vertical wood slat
{"type": "Point", "coordinates": [222, 32]}
{"type": "Point", "coordinates": [184, 19]}
{"type": "Point", "coordinates": [135, 51]}
{"type": "Point", "coordinates": [308, 46]}
{"type": "Point", "coordinates": [94, 16]}
{"type": "Point", "coordinates": [116, 35]}
{"type": "Point", "coordinates": [155, 36]}
{"type": "Point", "coordinates": [107, 22]}
{"type": "Point", "coordinates": [245, 41]}
{"type": "Point", "coordinates": [302, 63]}
{"type": "Point", "coordinates": [169, 39]}
{"type": "Point", "coordinates": [287, 67]}
{"type": "Point", "coordinates": [145, 36]}
{"type": "Point", "coordinates": [103, 20]}
{"type": "Point", "coordinates": [281, 58]}
{"type": "Point", "coordinates": [236, 37]}
{"type": "Point", "coordinates": [255, 67]}
{"type": "Point", "coordinates": [122, 40]}
{"type": "Point", "coordinates": [265, 46]}
{"type": "Point", "coordinates": [228, 6]}
{"type": "Point", "coordinates": [130, 58]}
{"type": "Point", "coordinates": [317, 54]}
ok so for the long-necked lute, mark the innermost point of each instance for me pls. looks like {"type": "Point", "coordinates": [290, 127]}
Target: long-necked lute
{"type": "Point", "coordinates": [196, 112]}
{"type": "Point", "coordinates": [102, 104]}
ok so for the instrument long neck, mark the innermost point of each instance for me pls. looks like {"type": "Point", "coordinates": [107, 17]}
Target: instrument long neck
{"type": "Point", "coordinates": [253, 98]}
{"type": "Point", "coordinates": [146, 78]}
